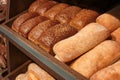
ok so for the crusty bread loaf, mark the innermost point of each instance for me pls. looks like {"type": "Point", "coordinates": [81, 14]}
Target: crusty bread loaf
{"type": "Point", "coordinates": [37, 73]}
{"type": "Point", "coordinates": [46, 6]}
{"type": "Point", "coordinates": [99, 57]}
{"type": "Point", "coordinates": [22, 76]}
{"type": "Point", "coordinates": [36, 4]}
{"type": "Point", "coordinates": [21, 19]}
{"type": "Point", "coordinates": [51, 13]}
{"type": "Point", "coordinates": [110, 19]}
{"type": "Point", "coordinates": [55, 34]}
{"type": "Point", "coordinates": [67, 14]}
{"type": "Point", "coordinates": [36, 32]}
{"type": "Point", "coordinates": [87, 38]}
{"type": "Point", "coordinates": [111, 72]}
{"type": "Point", "coordinates": [116, 35]}
{"type": "Point", "coordinates": [26, 27]}
{"type": "Point", "coordinates": [84, 17]}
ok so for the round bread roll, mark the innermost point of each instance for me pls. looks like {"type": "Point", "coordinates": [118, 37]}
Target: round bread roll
{"type": "Point", "coordinates": [36, 32]}
{"type": "Point", "coordinates": [46, 6]}
{"type": "Point", "coordinates": [84, 17]}
{"type": "Point", "coordinates": [27, 26]}
{"type": "Point", "coordinates": [99, 57]}
{"type": "Point", "coordinates": [74, 46]}
{"type": "Point", "coordinates": [111, 72]}
{"type": "Point", "coordinates": [51, 13]}
{"type": "Point", "coordinates": [67, 14]}
{"type": "Point", "coordinates": [21, 19]}
{"type": "Point", "coordinates": [37, 73]}
{"type": "Point", "coordinates": [111, 19]}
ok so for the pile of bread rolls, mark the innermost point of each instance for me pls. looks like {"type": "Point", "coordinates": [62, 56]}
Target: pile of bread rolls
{"type": "Point", "coordinates": [46, 22]}
{"type": "Point", "coordinates": [34, 72]}
{"type": "Point", "coordinates": [90, 50]}
{"type": "Point", "coordinates": [85, 38]}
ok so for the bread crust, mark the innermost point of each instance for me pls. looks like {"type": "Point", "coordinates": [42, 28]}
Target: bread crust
{"type": "Point", "coordinates": [87, 38]}
{"type": "Point", "coordinates": [99, 57]}
{"type": "Point", "coordinates": [51, 13]}
{"type": "Point", "coordinates": [21, 19]}
{"type": "Point", "coordinates": [84, 17]}
{"type": "Point", "coordinates": [111, 72]}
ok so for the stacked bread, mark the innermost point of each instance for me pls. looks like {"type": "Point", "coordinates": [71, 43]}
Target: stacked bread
{"type": "Point", "coordinates": [48, 22]}
{"type": "Point", "coordinates": [34, 72]}
{"type": "Point", "coordinates": [89, 50]}
{"type": "Point", "coordinates": [72, 34]}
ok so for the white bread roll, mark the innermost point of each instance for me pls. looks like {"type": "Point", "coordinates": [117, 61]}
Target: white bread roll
{"type": "Point", "coordinates": [109, 73]}
{"type": "Point", "coordinates": [37, 73]}
{"type": "Point", "coordinates": [99, 57]}
{"type": "Point", "coordinates": [22, 76]}
{"type": "Point", "coordinates": [110, 19]}
{"type": "Point", "coordinates": [87, 38]}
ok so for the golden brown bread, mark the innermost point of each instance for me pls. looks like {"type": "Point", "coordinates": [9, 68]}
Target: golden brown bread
{"type": "Point", "coordinates": [116, 35]}
{"type": "Point", "coordinates": [74, 46]}
{"type": "Point", "coordinates": [26, 27]}
{"type": "Point", "coordinates": [37, 73]}
{"type": "Point", "coordinates": [84, 17]}
{"type": "Point", "coordinates": [51, 13]}
{"type": "Point", "coordinates": [99, 57]}
{"type": "Point", "coordinates": [21, 19]}
{"type": "Point", "coordinates": [110, 19]}
{"type": "Point", "coordinates": [67, 14]}
{"type": "Point", "coordinates": [22, 76]}
{"type": "Point", "coordinates": [55, 34]}
{"type": "Point", "coordinates": [46, 6]}
{"type": "Point", "coordinates": [36, 32]}
{"type": "Point", "coordinates": [36, 4]}
{"type": "Point", "coordinates": [111, 72]}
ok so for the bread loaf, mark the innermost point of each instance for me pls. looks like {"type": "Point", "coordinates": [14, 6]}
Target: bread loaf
{"type": "Point", "coordinates": [67, 14]}
{"type": "Point", "coordinates": [74, 46]}
{"type": "Point", "coordinates": [99, 57]}
{"type": "Point", "coordinates": [111, 72]}
{"type": "Point", "coordinates": [36, 4]}
{"type": "Point", "coordinates": [46, 6]}
{"type": "Point", "coordinates": [37, 73]}
{"type": "Point", "coordinates": [84, 17]}
{"type": "Point", "coordinates": [51, 13]}
{"type": "Point", "coordinates": [116, 35]}
{"type": "Point", "coordinates": [36, 32]}
{"type": "Point", "coordinates": [55, 34]}
{"type": "Point", "coordinates": [26, 27]}
{"type": "Point", "coordinates": [110, 19]}
{"type": "Point", "coordinates": [21, 19]}
{"type": "Point", "coordinates": [22, 76]}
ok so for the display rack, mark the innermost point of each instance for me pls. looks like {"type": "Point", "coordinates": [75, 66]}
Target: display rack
{"type": "Point", "coordinates": [21, 52]}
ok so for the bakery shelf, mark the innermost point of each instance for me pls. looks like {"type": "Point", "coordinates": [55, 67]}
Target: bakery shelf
{"type": "Point", "coordinates": [54, 67]}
